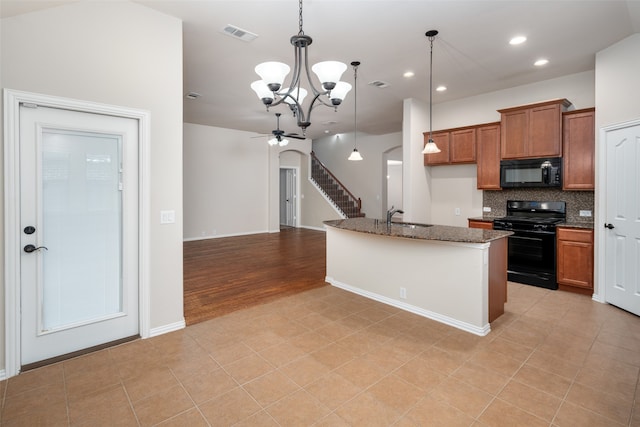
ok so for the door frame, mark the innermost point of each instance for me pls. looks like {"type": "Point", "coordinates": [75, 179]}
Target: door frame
{"type": "Point", "coordinates": [12, 250]}
{"type": "Point", "coordinates": [601, 209]}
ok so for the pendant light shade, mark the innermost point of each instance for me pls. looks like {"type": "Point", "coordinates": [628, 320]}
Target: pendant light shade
{"type": "Point", "coordinates": [431, 147]}
{"type": "Point", "coordinates": [355, 154]}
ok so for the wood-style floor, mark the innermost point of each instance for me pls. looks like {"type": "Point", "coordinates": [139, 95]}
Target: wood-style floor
{"type": "Point", "coordinates": [230, 273]}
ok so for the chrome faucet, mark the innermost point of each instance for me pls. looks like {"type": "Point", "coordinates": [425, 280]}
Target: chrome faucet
{"type": "Point", "coordinates": [391, 212]}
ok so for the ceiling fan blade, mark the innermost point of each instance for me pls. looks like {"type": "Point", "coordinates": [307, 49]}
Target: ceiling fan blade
{"type": "Point", "coordinates": [294, 136]}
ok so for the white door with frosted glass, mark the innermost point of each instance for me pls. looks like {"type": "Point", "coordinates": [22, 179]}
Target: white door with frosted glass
{"type": "Point", "coordinates": [79, 231]}
{"type": "Point", "coordinates": [622, 221]}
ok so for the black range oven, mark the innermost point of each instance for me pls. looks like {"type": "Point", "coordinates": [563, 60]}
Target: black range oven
{"type": "Point", "coordinates": [532, 246]}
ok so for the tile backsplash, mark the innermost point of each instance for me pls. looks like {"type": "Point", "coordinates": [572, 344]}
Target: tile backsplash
{"type": "Point", "coordinates": [576, 201]}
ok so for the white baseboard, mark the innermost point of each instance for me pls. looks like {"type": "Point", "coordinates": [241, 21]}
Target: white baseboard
{"type": "Point", "coordinates": [218, 236]}
{"type": "Point", "coordinates": [165, 329]}
{"type": "Point", "coordinates": [3, 375]}
{"type": "Point", "coordinates": [467, 327]}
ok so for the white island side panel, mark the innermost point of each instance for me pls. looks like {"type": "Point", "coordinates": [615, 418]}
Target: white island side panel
{"type": "Point", "coordinates": [446, 281]}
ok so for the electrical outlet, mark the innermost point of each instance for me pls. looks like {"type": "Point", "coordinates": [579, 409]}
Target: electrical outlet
{"type": "Point", "coordinates": [585, 213]}
{"type": "Point", "coordinates": [486, 209]}
{"type": "Point", "coordinates": [403, 293]}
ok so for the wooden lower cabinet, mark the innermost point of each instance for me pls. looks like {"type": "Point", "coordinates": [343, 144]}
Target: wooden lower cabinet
{"type": "Point", "coordinates": [476, 223]}
{"type": "Point", "coordinates": [575, 259]}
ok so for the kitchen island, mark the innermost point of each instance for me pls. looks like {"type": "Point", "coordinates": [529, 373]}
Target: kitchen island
{"type": "Point", "coordinates": [454, 275]}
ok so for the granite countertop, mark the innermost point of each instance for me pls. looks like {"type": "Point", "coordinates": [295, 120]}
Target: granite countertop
{"type": "Point", "coordinates": [442, 233]}
{"type": "Point", "coordinates": [485, 218]}
{"type": "Point", "coordinates": [577, 224]}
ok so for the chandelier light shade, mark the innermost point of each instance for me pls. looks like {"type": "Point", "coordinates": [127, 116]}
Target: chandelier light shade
{"type": "Point", "coordinates": [355, 154]}
{"type": "Point", "coordinates": [273, 74]}
{"type": "Point", "coordinates": [430, 147]}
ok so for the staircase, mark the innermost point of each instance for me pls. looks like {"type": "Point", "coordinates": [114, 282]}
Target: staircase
{"type": "Point", "coordinates": [342, 198]}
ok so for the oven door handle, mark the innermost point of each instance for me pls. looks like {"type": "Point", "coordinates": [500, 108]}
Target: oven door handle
{"type": "Point", "coordinates": [534, 235]}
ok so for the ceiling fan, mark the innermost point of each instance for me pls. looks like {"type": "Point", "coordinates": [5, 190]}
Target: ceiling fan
{"type": "Point", "coordinates": [279, 136]}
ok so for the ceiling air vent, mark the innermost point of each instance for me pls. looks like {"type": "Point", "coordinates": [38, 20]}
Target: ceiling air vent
{"type": "Point", "coordinates": [379, 83]}
{"type": "Point", "coordinates": [239, 33]}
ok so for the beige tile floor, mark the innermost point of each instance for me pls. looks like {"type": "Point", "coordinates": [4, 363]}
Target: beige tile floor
{"type": "Point", "coordinates": [330, 358]}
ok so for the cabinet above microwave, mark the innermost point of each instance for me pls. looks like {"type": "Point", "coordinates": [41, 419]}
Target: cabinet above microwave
{"type": "Point", "coordinates": [532, 131]}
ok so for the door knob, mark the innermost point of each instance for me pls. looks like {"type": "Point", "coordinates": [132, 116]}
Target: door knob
{"type": "Point", "coordinates": [609, 226]}
{"type": "Point", "coordinates": [30, 248]}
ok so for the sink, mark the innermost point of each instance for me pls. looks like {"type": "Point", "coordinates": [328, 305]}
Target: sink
{"type": "Point", "coordinates": [411, 225]}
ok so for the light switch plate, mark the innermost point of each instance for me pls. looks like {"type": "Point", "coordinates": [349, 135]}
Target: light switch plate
{"type": "Point", "coordinates": [585, 213]}
{"type": "Point", "coordinates": [167, 217]}
{"type": "Point", "coordinates": [486, 209]}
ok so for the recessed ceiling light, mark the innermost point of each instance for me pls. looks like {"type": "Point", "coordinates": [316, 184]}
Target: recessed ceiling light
{"type": "Point", "coordinates": [409, 74]}
{"type": "Point", "coordinates": [541, 62]}
{"type": "Point", "coordinates": [518, 40]}
{"type": "Point", "coordinates": [441, 88]}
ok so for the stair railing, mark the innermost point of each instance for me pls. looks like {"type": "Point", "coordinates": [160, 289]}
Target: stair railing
{"type": "Point", "coordinates": [355, 202]}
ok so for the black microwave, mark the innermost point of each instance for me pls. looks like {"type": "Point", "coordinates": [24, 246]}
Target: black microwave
{"type": "Point", "coordinates": [529, 173]}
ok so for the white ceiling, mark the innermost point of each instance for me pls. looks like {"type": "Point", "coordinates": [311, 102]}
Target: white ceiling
{"type": "Point", "coordinates": [471, 53]}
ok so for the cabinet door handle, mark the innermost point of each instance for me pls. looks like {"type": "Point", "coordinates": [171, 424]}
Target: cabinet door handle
{"type": "Point", "coordinates": [609, 226]}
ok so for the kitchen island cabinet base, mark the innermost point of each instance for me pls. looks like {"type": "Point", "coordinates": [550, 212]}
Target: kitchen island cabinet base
{"type": "Point", "coordinates": [448, 282]}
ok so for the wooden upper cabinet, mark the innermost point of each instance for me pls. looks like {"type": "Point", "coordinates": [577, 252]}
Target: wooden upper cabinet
{"type": "Point", "coordinates": [441, 139]}
{"type": "Point", "coordinates": [456, 146]}
{"type": "Point", "coordinates": [579, 150]}
{"type": "Point", "coordinates": [533, 130]}
{"type": "Point", "coordinates": [462, 145]}
{"type": "Point", "coordinates": [488, 149]}
{"type": "Point", "coordinates": [515, 128]}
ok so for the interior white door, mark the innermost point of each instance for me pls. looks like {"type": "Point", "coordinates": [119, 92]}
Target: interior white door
{"type": "Point", "coordinates": [79, 231]}
{"type": "Point", "coordinates": [288, 191]}
{"type": "Point", "coordinates": [622, 222]}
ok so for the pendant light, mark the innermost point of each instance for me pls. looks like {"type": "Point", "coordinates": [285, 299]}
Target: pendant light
{"type": "Point", "coordinates": [431, 147]}
{"type": "Point", "coordinates": [355, 154]}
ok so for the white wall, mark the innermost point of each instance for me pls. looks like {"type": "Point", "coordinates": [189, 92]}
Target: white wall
{"type": "Point", "coordinates": [617, 88]}
{"type": "Point", "coordinates": [416, 179]}
{"type": "Point", "coordinates": [124, 54]}
{"type": "Point", "coordinates": [226, 183]}
{"type": "Point", "coordinates": [232, 182]}
{"type": "Point", "coordinates": [455, 186]}
{"type": "Point", "coordinates": [363, 178]}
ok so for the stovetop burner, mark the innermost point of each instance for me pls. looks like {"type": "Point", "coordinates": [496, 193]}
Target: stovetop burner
{"type": "Point", "coordinates": [531, 215]}
{"type": "Point", "coordinates": [530, 219]}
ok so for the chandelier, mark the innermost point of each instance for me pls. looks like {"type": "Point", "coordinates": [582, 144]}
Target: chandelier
{"type": "Point", "coordinates": [272, 93]}
{"type": "Point", "coordinates": [431, 147]}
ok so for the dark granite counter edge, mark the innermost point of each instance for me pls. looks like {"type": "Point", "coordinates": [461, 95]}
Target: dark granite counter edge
{"type": "Point", "coordinates": [429, 232]}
